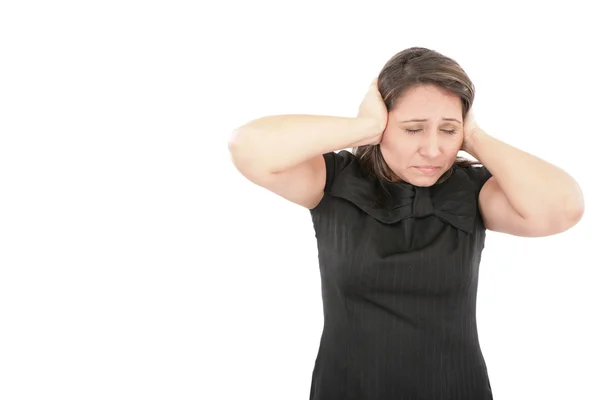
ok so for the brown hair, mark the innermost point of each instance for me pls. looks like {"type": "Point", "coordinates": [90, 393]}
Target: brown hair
{"type": "Point", "coordinates": [412, 67]}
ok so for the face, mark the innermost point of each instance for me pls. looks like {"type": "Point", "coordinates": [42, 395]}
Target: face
{"type": "Point", "coordinates": [424, 135]}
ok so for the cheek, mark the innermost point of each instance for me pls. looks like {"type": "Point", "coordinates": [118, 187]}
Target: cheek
{"type": "Point", "coordinates": [394, 140]}
{"type": "Point", "coordinates": [454, 146]}
{"type": "Point", "coordinates": [453, 143]}
{"type": "Point", "coordinates": [396, 150]}
{"type": "Point", "coordinates": [389, 143]}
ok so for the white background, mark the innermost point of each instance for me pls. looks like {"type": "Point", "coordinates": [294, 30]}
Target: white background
{"type": "Point", "coordinates": [136, 263]}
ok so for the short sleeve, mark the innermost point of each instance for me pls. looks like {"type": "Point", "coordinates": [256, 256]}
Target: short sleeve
{"type": "Point", "coordinates": [479, 175]}
{"type": "Point", "coordinates": [335, 164]}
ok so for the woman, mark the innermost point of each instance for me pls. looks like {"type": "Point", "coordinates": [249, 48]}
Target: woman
{"type": "Point", "coordinates": [400, 224]}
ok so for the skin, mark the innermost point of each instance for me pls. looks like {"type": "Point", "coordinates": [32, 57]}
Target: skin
{"type": "Point", "coordinates": [432, 142]}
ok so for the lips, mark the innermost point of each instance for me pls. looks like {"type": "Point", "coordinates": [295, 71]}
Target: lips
{"type": "Point", "coordinates": [427, 169]}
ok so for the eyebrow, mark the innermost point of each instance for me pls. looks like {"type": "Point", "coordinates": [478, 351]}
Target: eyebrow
{"type": "Point", "coordinates": [423, 120]}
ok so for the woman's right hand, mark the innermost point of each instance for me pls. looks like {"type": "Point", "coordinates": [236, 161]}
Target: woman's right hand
{"type": "Point", "coordinates": [373, 108]}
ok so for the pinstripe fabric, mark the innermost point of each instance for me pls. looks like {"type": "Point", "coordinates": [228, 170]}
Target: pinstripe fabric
{"type": "Point", "coordinates": [399, 279]}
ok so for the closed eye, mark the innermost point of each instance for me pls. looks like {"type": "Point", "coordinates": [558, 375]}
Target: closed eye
{"type": "Point", "coordinates": [413, 131]}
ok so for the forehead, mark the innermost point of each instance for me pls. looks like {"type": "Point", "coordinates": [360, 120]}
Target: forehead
{"type": "Point", "coordinates": [428, 101]}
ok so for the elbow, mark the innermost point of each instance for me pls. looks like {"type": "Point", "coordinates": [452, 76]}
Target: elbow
{"type": "Point", "coordinates": [557, 221]}
{"type": "Point", "coordinates": [235, 142]}
{"type": "Point", "coordinates": [574, 209]}
{"type": "Point", "coordinates": [238, 150]}
{"type": "Point", "coordinates": [574, 205]}
{"type": "Point", "coordinates": [245, 155]}
{"type": "Point", "coordinates": [239, 145]}
{"type": "Point", "coordinates": [570, 216]}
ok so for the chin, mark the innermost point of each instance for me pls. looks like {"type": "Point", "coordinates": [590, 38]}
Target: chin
{"type": "Point", "coordinates": [423, 182]}
{"type": "Point", "coordinates": [416, 178]}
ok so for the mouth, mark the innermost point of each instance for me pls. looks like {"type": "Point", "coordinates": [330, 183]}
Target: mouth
{"type": "Point", "coordinates": [427, 169]}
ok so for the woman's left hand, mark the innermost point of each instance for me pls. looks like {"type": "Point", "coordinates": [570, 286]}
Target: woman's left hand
{"type": "Point", "coordinates": [470, 128]}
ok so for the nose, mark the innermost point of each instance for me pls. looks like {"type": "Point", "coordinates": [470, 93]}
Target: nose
{"type": "Point", "coordinates": [430, 147]}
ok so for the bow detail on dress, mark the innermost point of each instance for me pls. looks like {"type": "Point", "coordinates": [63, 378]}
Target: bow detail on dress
{"type": "Point", "coordinates": [453, 201]}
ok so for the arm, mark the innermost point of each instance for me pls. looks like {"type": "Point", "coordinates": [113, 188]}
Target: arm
{"type": "Point", "coordinates": [278, 143]}
{"type": "Point", "coordinates": [526, 196]}
{"type": "Point", "coordinates": [284, 154]}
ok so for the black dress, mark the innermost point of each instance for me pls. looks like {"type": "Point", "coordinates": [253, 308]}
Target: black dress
{"type": "Point", "coordinates": [399, 276]}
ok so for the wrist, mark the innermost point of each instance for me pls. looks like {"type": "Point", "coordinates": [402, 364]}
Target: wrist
{"type": "Point", "coordinates": [373, 126]}
{"type": "Point", "coordinates": [473, 142]}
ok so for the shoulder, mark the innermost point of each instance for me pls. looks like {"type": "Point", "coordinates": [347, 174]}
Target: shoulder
{"type": "Point", "coordinates": [460, 193]}
{"type": "Point", "coordinates": [336, 163]}
{"type": "Point", "coordinates": [477, 174]}
{"type": "Point", "coordinates": [345, 180]}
